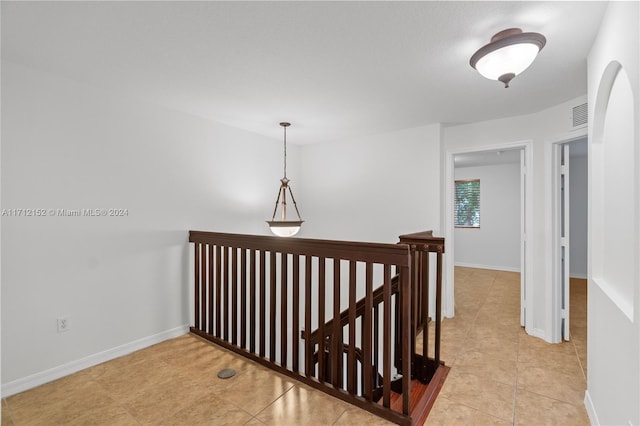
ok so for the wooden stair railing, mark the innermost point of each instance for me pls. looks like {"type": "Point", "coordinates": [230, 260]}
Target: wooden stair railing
{"type": "Point", "coordinates": [255, 294]}
{"type": "Point", "coordinates": [423, 366]}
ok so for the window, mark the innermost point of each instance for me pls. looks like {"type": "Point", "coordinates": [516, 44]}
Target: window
{"type": "Point", "coordinates": [467, 204]}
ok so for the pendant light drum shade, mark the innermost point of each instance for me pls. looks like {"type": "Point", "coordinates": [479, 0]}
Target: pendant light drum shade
{"type": "Point", "coordinates": [510, 52]}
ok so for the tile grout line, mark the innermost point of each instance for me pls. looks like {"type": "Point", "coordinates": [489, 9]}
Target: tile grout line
{"type": "Point", "coordinates": [515, 386]}
{"type": "Point", "coordinates": [575, 349]}
{"type": "Point", "coordinates": [273, 402]}
{"type": "Point", "coordinates": [6, 404]}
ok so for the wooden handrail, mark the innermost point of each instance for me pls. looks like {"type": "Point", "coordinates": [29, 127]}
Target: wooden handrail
{"type": "Point", "coordinates": [346, 250]}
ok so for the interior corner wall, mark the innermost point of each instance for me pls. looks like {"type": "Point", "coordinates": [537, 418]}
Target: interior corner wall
{"type": "Point", "coordinates": [374, 188]}
{"type": "Point", "coordinates": [613, 351]}
{"type": "Point", "coordinates": [539, 128]}
{"type": "Point", "coordinates": [499, 220]}
{"type": "Point", "coordinates": [68, 152]}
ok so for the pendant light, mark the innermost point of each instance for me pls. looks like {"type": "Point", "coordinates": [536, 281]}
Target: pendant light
{"type": "Point", "coordinates": [510, 52]}
{"type": "Point", "coordinates": [284, 227]}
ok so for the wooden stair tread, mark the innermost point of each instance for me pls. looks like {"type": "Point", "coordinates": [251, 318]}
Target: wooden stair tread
{"type": "Point", "coordinates": [423, 396]}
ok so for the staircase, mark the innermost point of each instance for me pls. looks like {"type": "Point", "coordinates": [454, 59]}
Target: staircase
{"type": "Point", "coordinates": [309, 309]}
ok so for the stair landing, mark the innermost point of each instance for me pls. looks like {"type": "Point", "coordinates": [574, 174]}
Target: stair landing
{"type": "Point", "coordinates": [423, 396]}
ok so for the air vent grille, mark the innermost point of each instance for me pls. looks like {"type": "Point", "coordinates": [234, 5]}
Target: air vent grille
{"type": "Point", "coordinates": [580, 115]}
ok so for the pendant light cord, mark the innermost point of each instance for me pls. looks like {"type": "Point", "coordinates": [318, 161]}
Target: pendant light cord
{"type": "Point", "coordinates": [285, 152]}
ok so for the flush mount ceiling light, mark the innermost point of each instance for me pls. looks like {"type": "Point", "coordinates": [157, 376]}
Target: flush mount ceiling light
{"type": "Point", "coordinates": [510, 52]}
{"type": "Point", "coordinates": [284, 227]}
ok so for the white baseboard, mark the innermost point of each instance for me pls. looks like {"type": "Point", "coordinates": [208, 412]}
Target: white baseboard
{"type": "Point", "coordinates": [579, 276]}
{"type": "Point", "coordinates": [493, 267]}
{"type": "Point", "coordinates": [591, 410]}
{"type": "Point", "coordinates": [37, 379]}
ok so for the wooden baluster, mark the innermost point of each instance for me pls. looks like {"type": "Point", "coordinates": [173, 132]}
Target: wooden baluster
{"type": "Point", "coordinates": [405, 297]}
{"type": "Point", "coordinates": [243, 298]}
{"type": "Point", "coordinates": [295, 333]}
{"type": "Point", "coordinates": [203, 288]}
{"type": "Point", "coordinates": [272, 306]}
{"type": "Point", "coordinates": [425, 304]}
{"type": "Point", "coordinates": [218, 284]}
{"type": "Point", "coordinates": [252, 301]}
{"type": "Point", "coordinates": [284, 308]}
{"type": "Point", "coordinates": [376, 343]}
{"type": "Point", "coordinates": [336, 340]}
{"type": "Point", "coordinates": [210, 310]}
{"type": "Point", "coordinates": [386, 320]}
{"type": "Point", "coordinates": [263, 303]}
{"type": "Point", "coordinates": [321, 320]}
{"type": "Point", "coordinates": [351, 356]}
{"type": "Point", "coordinates": [366, 344]}
{"type": "Point", "coordinates": [234, 295]}
{"type": "Point", "coordinates": [225, 266]}
{"type": "Point", "coordinates": [397, 329]}
{"type": "Point", "coordinates": [308, 344]}
{"type": "Point", "coordinates": [196, 290]}
{"type": "Point", "coordinates": [438, 303]}
{"type": "Point", "coordinates": [415, 295]}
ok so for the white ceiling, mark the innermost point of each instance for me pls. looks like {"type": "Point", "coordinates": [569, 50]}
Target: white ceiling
{"type": "Point", "coordinates": [333, 69]}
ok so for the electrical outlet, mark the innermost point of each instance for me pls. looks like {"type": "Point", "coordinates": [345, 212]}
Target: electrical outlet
{"type": "Point", "coordinates": [64, 324]}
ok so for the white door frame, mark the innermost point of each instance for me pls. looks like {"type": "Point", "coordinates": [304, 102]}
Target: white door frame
{"type": "Point", "coordinates": [448, 286]}
{"type": "Point", "coordinates": [561, 226]}
{"type": "Point", "coordinates": [554, 296]}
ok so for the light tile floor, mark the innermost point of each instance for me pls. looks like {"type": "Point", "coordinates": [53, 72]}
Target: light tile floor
{"type": "Point", "coordinates": [499, 375]}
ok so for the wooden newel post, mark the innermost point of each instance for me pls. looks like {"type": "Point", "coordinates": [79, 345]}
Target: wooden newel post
{"type": "Point", "coordinates": [421, 245]}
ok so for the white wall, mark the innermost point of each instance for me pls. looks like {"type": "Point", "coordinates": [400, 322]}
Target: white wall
{"type": "Point", "coordinates": [374, 188]}
{"type": "Point", "coordinates": [578, 215]}
{"type": "Point", "coordinates": [613, 350]}
{"type": "Point", "coordinates": [120, 279]}
{"type": "Point", "coordinates": [496, 244]}
{"type": "Point", "coordinates": [124, 281]}
{"type": "Point", "coordinates": [539, 129]}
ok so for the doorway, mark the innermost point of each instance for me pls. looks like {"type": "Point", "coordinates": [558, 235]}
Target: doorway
{"type": "Point", "coordinates": [522, 152]}
{"type": "Point", "coordinates": [569, 232]}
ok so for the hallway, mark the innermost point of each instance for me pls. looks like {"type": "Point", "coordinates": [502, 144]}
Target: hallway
{"type": "Point", "coordinates": [499, 374]}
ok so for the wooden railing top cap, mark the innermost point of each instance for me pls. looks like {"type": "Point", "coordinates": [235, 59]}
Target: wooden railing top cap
{"type": "Point", "coordinates": [393, 254]}
{"type": "Point", "coordinates": [424, 238]}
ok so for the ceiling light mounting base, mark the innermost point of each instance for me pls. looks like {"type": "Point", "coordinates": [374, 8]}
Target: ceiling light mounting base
{"type": "Point", "coordinates": [505, 33]}
{"type": "Point", "coordinates": [506, 78]}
